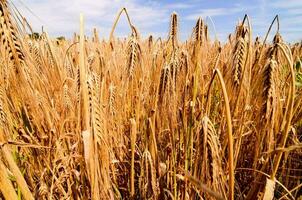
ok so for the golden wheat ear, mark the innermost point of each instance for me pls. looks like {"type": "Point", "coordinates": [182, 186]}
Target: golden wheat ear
{"type": "Point", "coordinates": [173, 29]}
{"type": "Point", "coordinates": [148, 184]}
{"type": "Point", "coordinates": [133, 52]}
{"type": "Point", "coordinates": [269, 88]}
{"type": "Point", "coordinates": [96, 38]}
{"type": "Point", "coordinates": [9, 37]}
{"type": "Point", "coordinates": [198, 30]}
{"type": "Point", "coordinates": [150, 42]}
{"type": "Point", "coordinates": [164, 80]}
{"type": "Point", "coordinates": [239, 60]}
{"type": "Point", "coordinates": [111, 102]}
{"type": "Point", "coordinates": [209, 166]}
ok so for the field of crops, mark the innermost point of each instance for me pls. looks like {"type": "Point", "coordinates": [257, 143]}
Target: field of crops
{"type": "Point", "coordinates": [149, 118]}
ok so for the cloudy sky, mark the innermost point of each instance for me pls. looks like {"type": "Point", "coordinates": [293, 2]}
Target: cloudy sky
{"type": "Point", "coordinates": [61, 17]}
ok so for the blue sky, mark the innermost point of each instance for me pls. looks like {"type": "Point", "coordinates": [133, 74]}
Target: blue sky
{"type": "Point", "coordinates": [61, 17]}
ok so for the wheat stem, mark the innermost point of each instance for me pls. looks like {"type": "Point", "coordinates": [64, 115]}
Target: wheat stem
{"type": "Point", "coordinates": [133, 134]}
{"type": "Point", "coordinates": [6, 186]}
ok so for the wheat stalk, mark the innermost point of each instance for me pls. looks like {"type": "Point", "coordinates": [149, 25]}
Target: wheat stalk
{"type": "Point", "coordinates": [133, 135]}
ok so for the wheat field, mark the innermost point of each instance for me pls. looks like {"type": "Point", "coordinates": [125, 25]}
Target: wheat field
{"type": "Point", "coordinates": [149, 118]}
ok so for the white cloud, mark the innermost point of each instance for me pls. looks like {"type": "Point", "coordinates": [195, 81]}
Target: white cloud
{"type": "Point", "coordinates": [180, 5]}
{"type": "Point", "coordinates": [211, 12]}
{"type": "Point", "coordinates": [62, 17]}
{"type": "Point", "coordinates": [287, 4]}
{"type": "Point", "coordinates": [152, 16]}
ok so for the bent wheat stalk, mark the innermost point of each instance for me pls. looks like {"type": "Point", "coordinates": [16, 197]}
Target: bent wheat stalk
{"type": "Point", "coordinates": [116, 21]}
{"type": "Point", "coordinates": [267, 33]}
{"type": "Point", "coordinates": [270, 184]}
{"type": "Point", "coordinates": [290, 111]}
{"type": "Point", "coordinates": [202, 186]}
{"type": "Point", "coordinates": [229, 129]}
